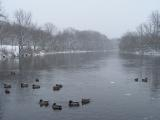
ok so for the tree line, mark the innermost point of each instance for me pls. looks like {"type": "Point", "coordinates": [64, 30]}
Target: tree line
{"type": "Point", "coordinates": [146, 37]}
{"type": "Point", "coordinates": [32, 38]}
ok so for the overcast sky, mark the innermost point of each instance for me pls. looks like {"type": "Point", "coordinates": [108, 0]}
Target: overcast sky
{"type": "Point", "coordinates": [111, 17]}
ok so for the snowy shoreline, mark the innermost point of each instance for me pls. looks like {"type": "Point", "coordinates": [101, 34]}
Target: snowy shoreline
{"type": "Point", "coordinates": [8, 52]}
{"type": "Point", "coordinates": [148, 53]}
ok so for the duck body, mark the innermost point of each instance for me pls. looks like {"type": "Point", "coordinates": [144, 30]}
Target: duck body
{"type": "Point", "coordinates": [23, 85]}
{"type": "Point", "coordinates": [145, 80]}
{"type": "Point", "coordinates": [7, 91]}
{"type": "Point", "coordinates": [35, 86]}
{"type": "Point", "coordinates": [37, 80]}
{"type": "Point", "coordinates": [136, 79]}
{"type": "Point", "coordinates": [7, 86]}
{"type": "Point", "coordinates": [73, 104]}
{"type": "Point", "coordinates": [56, 107]}
{"type": "Point", "coordinates": [56, 88]}
{"type": "Point", "coordinates": [43, 103]}
{"type": "Point", "coordinates": [85, 101]}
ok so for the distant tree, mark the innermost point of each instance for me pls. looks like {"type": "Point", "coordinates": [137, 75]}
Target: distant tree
{"type": "Point", "coordinates": [23, 21]}
{"type": "Point", "coordinates": [155, 22]}
{"type": "Point", "coordinates": [4, 31]}
{"type": "Point", "coordinates": [50, 28]}
{"type": "Point", "coordinates": [35, 33]}
{"type": "Point", "coordinates": [3, 25]}
{"type": "Point", "coordinates": [148, 36]}
{"type": "Point", "coordinates": [3, 17]}
{"type": "Point", "coordinates": [129, 42]}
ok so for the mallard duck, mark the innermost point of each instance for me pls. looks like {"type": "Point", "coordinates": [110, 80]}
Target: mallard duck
{"type": "Point", "coordinates": [37, 80]}
{"type": "Point", "coordinates": [136, 79]}
{"type": "Point", "coordinates": [85, 101]}
{"type": "Point", "coordinates": [145, 80]}
{"type": "Point", "coordinates": [7, 91]}
{"type": "Point", "coordinates": [23, 85]}
{"type": "Point", "coordinates": [56, 88]}
{"type": "Point", "coordinates": [7, 86]}
{"type": "Point", "coordinates": [56, 107]}
{"type": "Point", "coordinates": [73, 104]}
{"type": "Point", "coordinates": [43, 103]}
{"type": "Point", "coordinates": [35, 86]}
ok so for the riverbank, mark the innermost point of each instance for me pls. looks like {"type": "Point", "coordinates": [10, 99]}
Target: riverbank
{"type": "Point", "coordinates": [146, 53]}
{"type": "Point", "coordinates": [8, 52]}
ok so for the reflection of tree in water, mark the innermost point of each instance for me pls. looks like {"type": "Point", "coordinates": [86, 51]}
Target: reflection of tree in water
{"type": "Point", "coordinates": [6, 67]}
{"type": "Point", "coordinates": [145, 66]}
{"type": "Point", "coordinates": [150, 67]}
{"type": "Point", "coordinates": [1, 113]}
{"type": "Point", "coordinates": [2, 105]}
{"type": "Point", "coordinates": [155, 69]}
{"type": "Point", "coordinates": [60, 61]}
{"type": "Point", "coordinates": [28, 67]}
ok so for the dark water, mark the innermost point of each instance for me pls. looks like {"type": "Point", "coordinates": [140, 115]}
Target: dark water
{"type": "Point", "coordinates": [106, 78]}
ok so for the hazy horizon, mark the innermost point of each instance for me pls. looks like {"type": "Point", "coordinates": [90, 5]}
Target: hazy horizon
{"type": "Point", "coordinates": [112, 18]}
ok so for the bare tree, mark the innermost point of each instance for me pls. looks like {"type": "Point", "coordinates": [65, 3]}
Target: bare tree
{"type": "Point", "coordinates": [3, 17]}
{"type": "Point", "coordinates": [155, 22]}
{"type": "Point", "coordinates": [50, 28]}
{"type": "Point", "coordinates": [23, 18]}
{"type": "Point", "coordinates": [23, 21]}
{"type": "Point", "coordinates": [4, 31]}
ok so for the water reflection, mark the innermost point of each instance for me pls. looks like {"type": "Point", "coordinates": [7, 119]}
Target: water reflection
{"type": "Point", "coordinates": [144, 66]}
{"type": "Point", "coordinates": [61, 60]}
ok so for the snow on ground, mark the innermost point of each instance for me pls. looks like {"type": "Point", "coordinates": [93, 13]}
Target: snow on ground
{"type": "Point", "coordinates": [148, 53]}
{"type": "Point", "coordinates": [42, 53]}
{"type": "Point", "coordinates": [8, 51]}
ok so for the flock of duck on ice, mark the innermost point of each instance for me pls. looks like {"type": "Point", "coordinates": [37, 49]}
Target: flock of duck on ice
{"type": "Point", "coordinates": [45, 103]}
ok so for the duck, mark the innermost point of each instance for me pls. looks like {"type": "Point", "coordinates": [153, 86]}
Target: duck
{"type": "Point", "coordinates": [7, 91]}
{"type": "Point", "coordinates": [56, 107]}
{"type": "Point", "coordinates": [7, 85]}
{"type": "Point", "coordinates": [35, 86]}
{"type": "Point", "coordinates": [37, 80]}
{"type": "Point", "coordinates": [136, 79]}
{"type": "Point", "coordinates": [23, 85]}
{"type": "Point", "coordinates": [43, 103]}
{"type": "Point", "coordinates": [85, 101]}
{"type": "Point", "coordinates": [73, 104]}
{"type": "Point", "coordinates": [145, 80]}
{"type": "Point", "coordinates": [56, 88]}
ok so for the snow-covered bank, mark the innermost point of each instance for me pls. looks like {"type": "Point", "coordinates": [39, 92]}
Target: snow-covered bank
{"type": "Point", "coordinates": [9, 48]}
{"type": "Point", "coordinates": [42, 53]}
{"type": "Point", "coordinates": [8, 51]}
{"type": "Point", "coordinates": [147, 53]}
{"type": "Point", "coordinates": [60, 52]}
